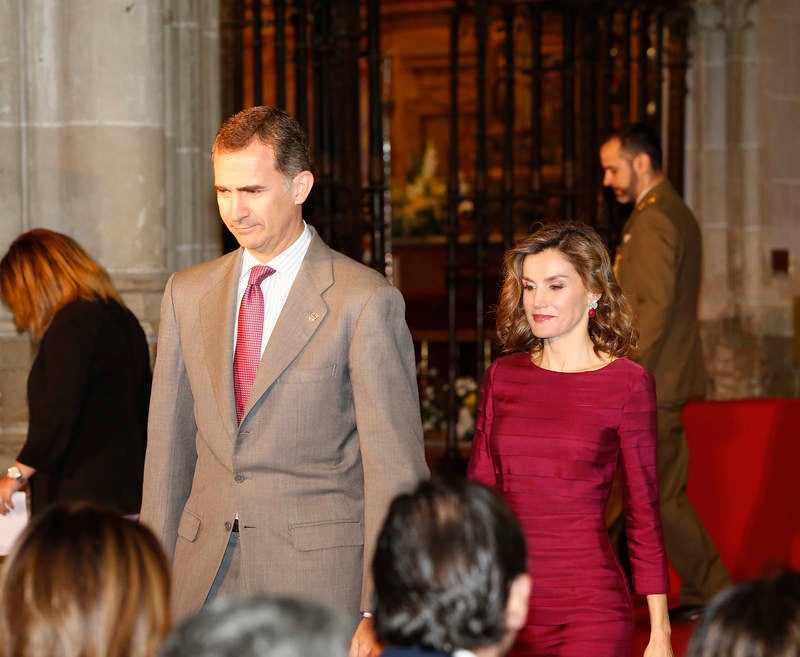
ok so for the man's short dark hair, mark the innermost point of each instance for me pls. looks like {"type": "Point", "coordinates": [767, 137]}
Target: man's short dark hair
{"type": "Point", "coordinates": [755, 619]}
{"type": "Point", "coordinates": [272, 127]}
{"type": "Point", "coordinates": [639, 138]}
{"type": "Point", "coordinates": [445, 561]}
{"type": "Point", "coordinates": [259, 626]}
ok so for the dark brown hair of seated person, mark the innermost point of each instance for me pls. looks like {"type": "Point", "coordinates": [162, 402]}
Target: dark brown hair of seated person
{"type": "Point", "coordinates": [760, 618]}
{"type": "Point", "coordinates": [42, 272]}
{"type": "Point", "coordinates": [611, 329]}
{"type": "Point", "coordinates": [82, 581]}
{"type": "Point", "coordinates": [446, 559]}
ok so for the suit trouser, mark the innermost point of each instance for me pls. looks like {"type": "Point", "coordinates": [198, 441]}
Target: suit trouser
{"type": "Point", "coordinates": [226, 581]}
{"type": "Point", "coordinates": [688, 545]}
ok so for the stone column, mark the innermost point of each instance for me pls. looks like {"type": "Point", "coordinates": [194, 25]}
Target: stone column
{"type": "Point", "coordinates": [743, 181]}
{"type": "Point", "coordinates": [706, 153]}
{"type": "Point", "coordinates": [713, 179]}
{"type": "Point", "coordinates": [107, 111]}
{"type": "Point", "coordinates": [776, 173]}
{"type": "Point", "coordinates": [192, 88]}
{"type": "Point", "coordinates": [14, 351]}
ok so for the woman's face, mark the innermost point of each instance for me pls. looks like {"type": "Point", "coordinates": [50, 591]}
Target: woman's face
{"type": "Point", "coordinates": [555, 300]}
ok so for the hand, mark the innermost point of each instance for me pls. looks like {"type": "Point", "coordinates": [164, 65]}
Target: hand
{"type": "Point", "coordinates": [7, 488]}
{"type": "Point", "coordinates": [364, 642]}
{"type": "Point", "coordinates": [659, 646]}
{"type": "Point", "coordinates": [660, 630]}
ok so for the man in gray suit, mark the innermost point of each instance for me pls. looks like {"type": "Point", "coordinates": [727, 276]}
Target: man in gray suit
{"type": "Point", "coordinates": [282, 490]}
{"type": "Point", "coordinates": [658, 269]}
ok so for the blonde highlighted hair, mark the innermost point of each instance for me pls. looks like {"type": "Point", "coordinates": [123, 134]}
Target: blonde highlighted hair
{"type": "Point", "coordinates": [83, 581]}
{"type": "Point", "coordinates": [611, 329]}
{"type": "Point", "coordinates": [42, 272]}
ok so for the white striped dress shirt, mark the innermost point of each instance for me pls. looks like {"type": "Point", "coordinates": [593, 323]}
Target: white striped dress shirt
{"type": "Point", "coordinates": [276, 287]}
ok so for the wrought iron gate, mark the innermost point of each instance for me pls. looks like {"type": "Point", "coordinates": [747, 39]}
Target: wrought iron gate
{"type": "Point", "coordinates": [545, 82]}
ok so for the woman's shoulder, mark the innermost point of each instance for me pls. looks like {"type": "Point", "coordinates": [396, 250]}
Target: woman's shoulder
{"type": "Point", "coordinates": [84, 314]}
{"type": "Point", "coordinates": [78, 311]}
{"type": "Point", "coordinates": [627, 366]}
{"type": "Point", "coordinates": [510, 361]}
{"type": "Point", "coordinates": [87, 310]}
{"type": "Point", "coordinates": [514, 367]}
{"type": "Point", "coordinates": [78, 321]}
{"type": "Point", "coordinates": [632, 372]}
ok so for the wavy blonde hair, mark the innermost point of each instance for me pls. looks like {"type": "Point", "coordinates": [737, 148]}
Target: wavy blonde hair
{"type": "Point", "coordinates": [611, 329]}
{"type": "Point", "coordinates": [83, 581]}
{"type": "Point", "coordinates": [42, 272]}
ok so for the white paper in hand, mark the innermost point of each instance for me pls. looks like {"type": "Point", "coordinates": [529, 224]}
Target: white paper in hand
{"type": "Point", "coordinates": [12, 524]}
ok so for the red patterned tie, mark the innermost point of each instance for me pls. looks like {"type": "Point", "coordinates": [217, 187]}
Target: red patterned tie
{"type": "Point", "coordinates": [248, 337]}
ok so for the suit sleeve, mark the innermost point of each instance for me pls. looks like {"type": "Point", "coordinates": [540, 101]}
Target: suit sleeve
{"type": "Point", "coordinates": [171, 430]}
{"type": "Point", "coordinates": [383, 376]}
{"type": "Point", "coordinates": [647, 277]}
{"type": "Point", "coordinates": [637, 433]}
{"type": "Point", "coordinates": [58, 385]}
{"type": "Point", "coordinates": [481, 465]}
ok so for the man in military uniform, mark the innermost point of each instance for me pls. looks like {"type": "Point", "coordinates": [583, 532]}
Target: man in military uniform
{"type": "Point", "coordinates": [658, 268]}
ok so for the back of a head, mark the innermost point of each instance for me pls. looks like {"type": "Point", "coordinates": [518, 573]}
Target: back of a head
{"type": "Point", "coordinates": [82, 581]}
{"type": "Point", "coordinates": [755, 619]}
{"type": "Point", "coordinates": [259, 627]}
{"type": "Point", "coordinates": [639, 138]}
{"type": "Point", "coordinates": [444, 565]}
{"type": "Point", "coordinates": [44, 270]}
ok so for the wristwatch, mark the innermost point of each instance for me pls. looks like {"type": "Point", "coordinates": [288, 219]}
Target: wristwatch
{"type": "Point", "coordinates": [16, 474]}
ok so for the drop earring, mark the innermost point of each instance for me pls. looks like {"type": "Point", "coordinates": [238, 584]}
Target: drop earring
{"type": "Point", "coordinates": [593, 308]}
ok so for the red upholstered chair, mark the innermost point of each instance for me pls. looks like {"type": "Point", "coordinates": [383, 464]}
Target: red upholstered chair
{"type": "Point", "coordinates": [744, 481]}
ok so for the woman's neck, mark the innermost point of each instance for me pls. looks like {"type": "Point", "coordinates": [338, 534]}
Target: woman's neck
{"type": "Point", "coordinates": [574, 356]}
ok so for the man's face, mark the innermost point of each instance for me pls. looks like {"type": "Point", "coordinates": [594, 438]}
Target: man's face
{"type": "Point", "coordinates": [618, 171]}
{"type": "Point", "coordinates": [258, 204]}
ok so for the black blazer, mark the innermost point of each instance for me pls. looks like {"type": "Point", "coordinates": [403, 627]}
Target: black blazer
{"type": "Point", "coordinates": [411, 651]}
{"type": "Point", "coordinates": [88, 397]}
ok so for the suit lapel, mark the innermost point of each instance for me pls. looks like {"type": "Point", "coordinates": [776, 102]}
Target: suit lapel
{"type": "Point", "coordinates": [217, 310]}
{"type": "Point", "coordinates": [302, 314]}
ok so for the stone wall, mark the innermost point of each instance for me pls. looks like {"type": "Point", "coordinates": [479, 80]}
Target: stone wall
{"type": "Point", "coordinates": [743, 182]}
{"type": "Point", "coordinates": [107, 112]}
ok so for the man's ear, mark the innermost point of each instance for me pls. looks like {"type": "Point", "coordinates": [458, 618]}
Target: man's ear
{"type": "Point", "coordinates": [518, 600]}
{"type": "Point", "coordinates": [301, 186]}
{"type": "Point", "coordinates": [641, 164]}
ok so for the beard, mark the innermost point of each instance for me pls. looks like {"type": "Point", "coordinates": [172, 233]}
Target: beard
{"type": "Point", "coordinates": [628, 194]}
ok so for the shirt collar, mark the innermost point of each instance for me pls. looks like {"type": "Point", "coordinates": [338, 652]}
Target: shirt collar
{"type": "Point", "coordinates": [280, 261]}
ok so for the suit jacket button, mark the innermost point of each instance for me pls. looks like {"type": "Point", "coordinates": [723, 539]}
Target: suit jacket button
{"type": "Point", "coordinates": [228, 526]}
{"type": "Point", "coordinates": [239, 478]}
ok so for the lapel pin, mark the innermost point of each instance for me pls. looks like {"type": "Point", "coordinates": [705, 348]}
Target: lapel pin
{"type": "Point", "coordinates": [313, 317]}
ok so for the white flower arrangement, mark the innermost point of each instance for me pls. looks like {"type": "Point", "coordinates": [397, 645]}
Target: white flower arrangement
{"type": "Point", "coordinates": [420, 208]}
{"type": "Point", "coordinates": [433, 405]}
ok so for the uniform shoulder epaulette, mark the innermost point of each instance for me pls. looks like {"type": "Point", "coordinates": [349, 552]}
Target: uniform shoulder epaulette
{"type": "Point", "coordinates": [647, 200]}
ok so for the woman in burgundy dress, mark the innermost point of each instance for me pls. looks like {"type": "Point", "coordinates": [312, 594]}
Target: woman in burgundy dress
{"type": "Point", "coordinates": [557, 414]}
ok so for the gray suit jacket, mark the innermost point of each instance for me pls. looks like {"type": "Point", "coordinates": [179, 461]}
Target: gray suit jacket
{"type": "Point", "coordinates": [331, 432]}
{"type": "Point", "coordinates": [658, 268]}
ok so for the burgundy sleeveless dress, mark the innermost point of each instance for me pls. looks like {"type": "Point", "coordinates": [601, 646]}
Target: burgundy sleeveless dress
{"type": "Point", "coordinates": [550, 443]}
